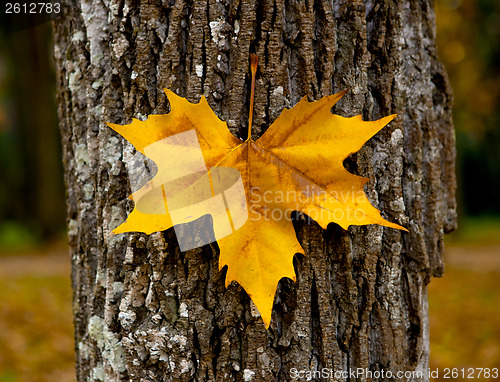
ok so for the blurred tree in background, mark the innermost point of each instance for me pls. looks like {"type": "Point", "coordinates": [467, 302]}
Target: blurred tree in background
{"type": "Point", "coordinates": [31, 191]}
{"type": "Point", "coordinates": [468, 34]}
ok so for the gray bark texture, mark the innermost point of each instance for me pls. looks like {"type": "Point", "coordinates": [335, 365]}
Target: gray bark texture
{"type": "Point", "coordinates": [144, 311]}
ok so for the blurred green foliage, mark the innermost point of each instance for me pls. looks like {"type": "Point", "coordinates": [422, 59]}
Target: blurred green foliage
{"type": "Point", "coordinates": [468, 37]}
{"type": "Point", "coordinates": [15, 236]}
{"type": "Point", "coordinates": [476, 231]}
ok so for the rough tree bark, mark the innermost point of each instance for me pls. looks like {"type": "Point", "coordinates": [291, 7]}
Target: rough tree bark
{"type": "Point", "coordinates": [144, 311]}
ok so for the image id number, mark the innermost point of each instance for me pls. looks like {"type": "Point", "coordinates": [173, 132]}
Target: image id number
{"type": "Point", "coordinates": [34, 8]}
{"type": "Point", "coordinates": [471, 373]}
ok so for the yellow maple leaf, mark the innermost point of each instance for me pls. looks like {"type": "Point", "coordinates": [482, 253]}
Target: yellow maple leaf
{"type": "Point", "coordinates": [297, 165]}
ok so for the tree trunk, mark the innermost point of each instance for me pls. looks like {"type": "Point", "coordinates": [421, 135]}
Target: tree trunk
{"type": "Point", "coordinates": [144, 311]}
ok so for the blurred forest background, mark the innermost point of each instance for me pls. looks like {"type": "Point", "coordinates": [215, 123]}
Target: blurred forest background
{"type": "Point", "coordinates": [36, 340]}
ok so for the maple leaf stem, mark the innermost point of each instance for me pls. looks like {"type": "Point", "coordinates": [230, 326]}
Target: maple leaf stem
{"type": "Point", "coordinates": [254, 62]}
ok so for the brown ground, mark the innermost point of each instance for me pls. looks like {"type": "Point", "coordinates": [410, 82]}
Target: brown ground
{"type": "Point", "coordinates": [464, 309]}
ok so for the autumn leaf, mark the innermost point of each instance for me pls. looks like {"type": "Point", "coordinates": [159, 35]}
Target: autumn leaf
{"type": "Point", "coordinates": [297, 165]}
